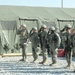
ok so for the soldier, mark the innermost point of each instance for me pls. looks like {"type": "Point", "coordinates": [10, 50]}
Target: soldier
{"type": "Point", "coordinates": [48, 46]}
{"type": "Point", "coordinates": [23, 32]}
{"type": "Point", "coordinates": [54, 42]}
{"type": "Point", "coordinates": [35, 42]}
{"type": "Point", "coordinates": [42, 36]}
{"type": "Point", "coordinates": [68, 44]}
{"type": "Point", "coordinates": [73, 39]}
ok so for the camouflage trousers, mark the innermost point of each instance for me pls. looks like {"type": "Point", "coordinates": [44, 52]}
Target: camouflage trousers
{"type": "Point", "coordinates": [54, 54]}
{"type": "Point", "coordinates": [34, 53]}
{"type": "Point", "coordinates": [74, 49]}
{"type": "Point", "coordinates": [68, 56]}
{"type": "Point", "coordinates": [44, 53]}
{"type": "Point", "coordinates": [24, 51]}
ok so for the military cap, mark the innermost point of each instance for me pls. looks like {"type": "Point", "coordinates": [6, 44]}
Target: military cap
{"type": "Point", "coordinates": [68, 26]}
{"type": "Point", "coordinates": [35, 28]}
{"type": "Point", "coordinates": [52, 28]}
{"type": "Point", "coordinates": [44, 26]}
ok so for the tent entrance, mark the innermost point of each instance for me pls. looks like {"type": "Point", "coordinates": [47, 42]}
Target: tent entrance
{"type": "Point", "coordinates": [30, 23]}
{"type": "Point", "coordinates": [48, 24]}
{"type": "Point", "coordinates": [62, 23]}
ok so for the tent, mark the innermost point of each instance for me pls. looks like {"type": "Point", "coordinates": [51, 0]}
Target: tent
{"type": "Point", "coordinates": [11, 17]}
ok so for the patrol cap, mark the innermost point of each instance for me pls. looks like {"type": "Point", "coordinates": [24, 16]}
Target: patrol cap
{"type": "Point", "coordinates": [68, 26]}
{"type": "Point", "coordinates": [52, 28]}
{"type": "Point", "coordinates": [35, 28]}
{"type": "Point", "coordinates": [44, 26]}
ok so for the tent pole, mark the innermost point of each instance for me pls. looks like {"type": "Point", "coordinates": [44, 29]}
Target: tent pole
{"type": "Point", "coordinates": [61, 3]}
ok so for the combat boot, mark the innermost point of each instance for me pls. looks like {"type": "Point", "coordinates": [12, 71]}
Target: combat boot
{"type": "Point", "coordinates": [68, 66]}
{"type": "Point", "coordinates": [42, 61]}
{"type": "Point", "coordinates": [22, 59]}
{"type": "Point", "coordinates": [52, 64]}
{"type": "Point", "coordinates": [34, 60]}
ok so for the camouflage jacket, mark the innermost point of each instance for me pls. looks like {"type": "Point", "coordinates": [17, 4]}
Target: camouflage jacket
{"type": "Point", "coordinates": [23, 34]}
{"type": "Point", "coordinates": [34, 39]}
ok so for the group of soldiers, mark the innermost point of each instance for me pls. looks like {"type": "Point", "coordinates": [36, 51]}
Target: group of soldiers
{"type": "Point", "coordinates": [49, 42]}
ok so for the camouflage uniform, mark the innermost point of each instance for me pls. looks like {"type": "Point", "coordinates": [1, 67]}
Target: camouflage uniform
{"type": "Point", "coordinates": [35, 42]}
{"type": "Point", "coordinates": [68, 45]}
{"type": "Point", "coordinates": [68, 52]}
{"type": "Point", "coordinates": [73, 41]}
{"type": "Point", "coordinates": [54, 42]}
{"type": "Point", "coordinates": [43, 42]}
{"type": "Point", "coordinates": [48, 46]}
{"type": "Point", "coordinates": [23, 41]}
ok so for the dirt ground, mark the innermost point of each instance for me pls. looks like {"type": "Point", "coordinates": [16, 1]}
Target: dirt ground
{"type": "Point", "coordinates": [12, 66]}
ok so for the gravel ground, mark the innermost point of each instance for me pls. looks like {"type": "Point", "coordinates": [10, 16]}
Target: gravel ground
{"type": "Point", "coordinates": [12, 66]}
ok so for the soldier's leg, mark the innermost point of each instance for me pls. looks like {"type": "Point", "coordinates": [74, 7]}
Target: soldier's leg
{"type": "Point", "coordinates": [48, 50]}
{"type": "Point", "coordinates": [74, 50]}
{"type": "Point", "coordinates": [54, 57]}
{"type": "Point", "coordinates": [34, 53]}
{"type": "Point", "coordinates": [44, 53]}
{"type": "Point", "coordinates": [70, 58]}
{"type": "Point", "coordinates": [54, 60]}
{"type": "Point", "coordinates": [66, 56]}
{"type": "Point", "coordinates": [23, 52]}
{"type": "Point", "coordinates": [25, 56]}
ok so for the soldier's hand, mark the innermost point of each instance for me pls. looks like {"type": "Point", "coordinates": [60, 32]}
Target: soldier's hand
{"type": "Point", "coordinates": [62, 30]}
{"type": "Point", "coordinates": [26, 44]}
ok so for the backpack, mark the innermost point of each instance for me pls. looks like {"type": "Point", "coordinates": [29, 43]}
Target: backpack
{"type": "Point", "coordinates": [59, 39]}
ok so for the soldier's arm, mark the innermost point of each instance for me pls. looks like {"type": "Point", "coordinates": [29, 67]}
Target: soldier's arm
{"type": "Point", "coordinates": [62, 30]}
{"type": "Point", "coordinates": [18, 31]}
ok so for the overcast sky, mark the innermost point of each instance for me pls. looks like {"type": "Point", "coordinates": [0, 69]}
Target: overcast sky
{"type": "Point", "coordinates": [45, 3]}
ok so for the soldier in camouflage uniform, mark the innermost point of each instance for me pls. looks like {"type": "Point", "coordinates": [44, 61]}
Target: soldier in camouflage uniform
{"type": "Point", "coordinates": [48, 46]}
{"type": "Point", "coordinates": [54, 42]}
{"type": "Point", "coordinates": [43, 42]}
{"type": "Point", "coordinates": [73, 39]}
{"type": "Point", "coordinates": [34, 42]}
{"type": "Point", "coordinates": [68, 44]}
{"type": "Point", "coordinates": [23, 32]}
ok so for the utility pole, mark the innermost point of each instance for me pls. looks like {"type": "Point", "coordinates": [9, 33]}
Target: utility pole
{"type": "Point", "coordinates": [61, 3]}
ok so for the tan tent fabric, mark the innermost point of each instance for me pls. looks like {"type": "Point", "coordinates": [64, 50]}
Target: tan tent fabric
{"type": "Point", "coordinates": [11, 17]}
